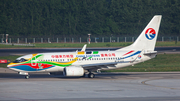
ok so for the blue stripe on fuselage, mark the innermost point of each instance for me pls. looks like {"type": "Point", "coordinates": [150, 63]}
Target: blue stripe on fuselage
{"type": "Point", "coordinates": [132, 54]}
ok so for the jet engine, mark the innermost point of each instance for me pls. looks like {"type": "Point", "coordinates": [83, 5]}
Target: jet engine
{"type": "Point", "coordinates": [73, 71]}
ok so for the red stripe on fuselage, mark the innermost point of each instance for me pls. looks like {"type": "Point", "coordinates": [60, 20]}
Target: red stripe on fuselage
{"type": "Point", "coordinates": [128, 52]}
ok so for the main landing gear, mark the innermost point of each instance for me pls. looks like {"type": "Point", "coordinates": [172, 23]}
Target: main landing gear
{"type": "Point", "coordinates": [27, 77]}
{"type": "Point", "coordinates": [91, 75]}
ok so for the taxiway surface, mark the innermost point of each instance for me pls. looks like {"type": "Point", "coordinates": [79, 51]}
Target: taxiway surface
{"type": "Point", "coordinates": [133, 86]}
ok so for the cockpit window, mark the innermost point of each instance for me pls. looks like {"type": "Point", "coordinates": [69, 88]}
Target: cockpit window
{"type": "Point", "coordinates": [21, 60]}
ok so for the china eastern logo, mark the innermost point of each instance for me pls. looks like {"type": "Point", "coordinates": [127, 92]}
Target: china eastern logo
{"type": "Point", "coordinates": [150, 33]}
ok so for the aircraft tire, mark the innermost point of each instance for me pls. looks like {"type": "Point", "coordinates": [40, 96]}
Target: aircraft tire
{"type": "Point", "coordinates": [91, 75]}
{"type": "Point", "coordinates": [27, 77]}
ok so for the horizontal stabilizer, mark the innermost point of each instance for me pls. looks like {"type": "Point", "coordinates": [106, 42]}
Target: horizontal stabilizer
{"type": "Point", "coordinates": [148, 53]}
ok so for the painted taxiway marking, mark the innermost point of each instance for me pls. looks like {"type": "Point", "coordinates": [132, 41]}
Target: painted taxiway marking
{"type": "Point", "coordinates": [144, 83]}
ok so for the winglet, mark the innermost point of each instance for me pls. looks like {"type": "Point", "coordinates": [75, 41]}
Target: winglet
{"type": "Point", "coordinates": [84, 48]}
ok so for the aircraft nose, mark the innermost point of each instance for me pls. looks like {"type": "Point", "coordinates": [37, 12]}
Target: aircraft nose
{"type": "Point", "coordinates": [9, 65]}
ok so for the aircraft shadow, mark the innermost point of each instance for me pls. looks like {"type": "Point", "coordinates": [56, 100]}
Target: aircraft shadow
{"type": "Point", "coordinates": [60, 76]}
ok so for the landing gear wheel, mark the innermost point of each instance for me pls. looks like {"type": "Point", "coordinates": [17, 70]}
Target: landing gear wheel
{"type": "Point", "coordinates": [91, 75]}
{"type": "Point", "coordinates": [27, 76]}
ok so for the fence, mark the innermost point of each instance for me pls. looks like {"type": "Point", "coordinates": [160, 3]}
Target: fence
{"type": "Point", "coordinates": [81, 40]}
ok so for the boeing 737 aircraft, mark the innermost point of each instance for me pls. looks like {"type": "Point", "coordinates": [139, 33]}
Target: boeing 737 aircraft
{"type": "Point", "coordinates": [84, 62]}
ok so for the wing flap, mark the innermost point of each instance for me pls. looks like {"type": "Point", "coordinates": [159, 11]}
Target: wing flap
{"type": "Point", "coordinates": [99, 65]}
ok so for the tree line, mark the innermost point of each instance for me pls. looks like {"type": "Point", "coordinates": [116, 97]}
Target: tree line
{"type": "Point", "coordinates": [77, 18]}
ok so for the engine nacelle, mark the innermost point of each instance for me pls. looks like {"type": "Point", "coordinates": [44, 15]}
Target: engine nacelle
{"type": "Point", "coordinates": [22, 73]}
{"type": "Point", "coordinates": [73, 71]}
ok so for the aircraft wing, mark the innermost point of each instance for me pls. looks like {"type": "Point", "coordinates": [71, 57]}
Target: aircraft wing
{"type": "Point", "coordinates": [99, 65]}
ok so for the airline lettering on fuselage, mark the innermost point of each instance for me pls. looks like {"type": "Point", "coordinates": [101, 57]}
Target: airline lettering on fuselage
{"type": "Point", "coordinates": [62, 56]}
{"type": "Point", "coordinates": [87, 55]}
{"type": "Point", "coordinates": [90, 55]}
{"type": "Point", "coordinates": [80, 56]}
{"type": "Point", "coordinates": [108, 55]}
{"type": "Point", "coordinates": [97, 55]}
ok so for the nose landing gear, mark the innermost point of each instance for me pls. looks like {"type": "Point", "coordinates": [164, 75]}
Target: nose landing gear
{"type": "Point", "coordinates": [24, 73]}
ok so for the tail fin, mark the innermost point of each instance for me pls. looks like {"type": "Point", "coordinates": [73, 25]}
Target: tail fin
{"type": "Point", "coordinates": [147, 38]}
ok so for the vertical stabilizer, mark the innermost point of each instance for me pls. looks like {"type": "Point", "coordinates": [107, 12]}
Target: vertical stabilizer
{"type": "Point", "coordinates": [147, 38]}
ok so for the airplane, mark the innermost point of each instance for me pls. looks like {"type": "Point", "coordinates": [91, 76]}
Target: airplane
{"type": "Point", "coordinates": [83, 62]}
